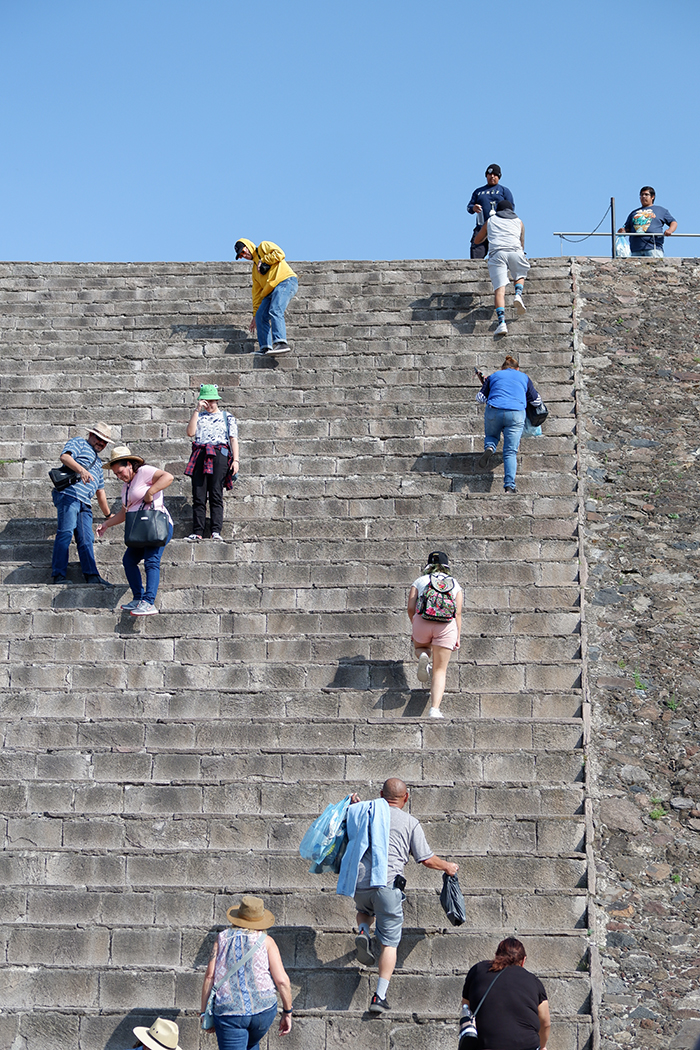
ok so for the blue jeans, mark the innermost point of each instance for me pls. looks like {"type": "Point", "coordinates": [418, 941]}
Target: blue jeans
{"type": "Point", "coordinates": [151, 562]}
{"type": "Point", "coordinates": [270, 315]}
{"type": "Point", "coordinates": [510, 423]}
{"type": "Point", "coordinates": [648, 253]}
{"type": "Point", "coordinates": [74, 519]}
{"type": "Point", "coordinates": [243, 1031]}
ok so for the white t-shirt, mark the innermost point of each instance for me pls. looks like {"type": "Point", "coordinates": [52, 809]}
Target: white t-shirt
{"type": "Point", "coordinates": [504, 234]}
{"type": "Point", "coordinates": [211, 428]}
{"type": "Point", "coordinates": [422, 582]}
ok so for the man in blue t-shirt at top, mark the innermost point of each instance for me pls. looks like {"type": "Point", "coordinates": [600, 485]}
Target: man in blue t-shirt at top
{"type": "Point", "coordinates": [650, 218]}
{"type": "Point", "coordinates": [483, 202]}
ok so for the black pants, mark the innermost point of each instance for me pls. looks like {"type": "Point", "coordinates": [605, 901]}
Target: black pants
{"type": "Point", "coordinates": [211, 485]}
{"type": "Point", "coordinates": [478, 251]}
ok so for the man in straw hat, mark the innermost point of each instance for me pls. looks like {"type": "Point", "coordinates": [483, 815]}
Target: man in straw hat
{"type": "Point", "coordinates": [74, 504]}
{"type": "Point", "coordinates": [162, 1035]}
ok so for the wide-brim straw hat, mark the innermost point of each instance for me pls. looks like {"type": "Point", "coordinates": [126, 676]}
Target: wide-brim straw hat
{"type": "Point", "coordinates": [102, 431]}
{"type": "Point", "coordinates": [124, 452]}
{"type": "Point", "coordinates": [162, 1035]}
{"type": "Point", "coordinates": [251, 913]}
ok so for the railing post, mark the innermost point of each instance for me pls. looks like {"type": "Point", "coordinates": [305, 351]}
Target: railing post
{"type": "Point", "coordinates": [613, 224]}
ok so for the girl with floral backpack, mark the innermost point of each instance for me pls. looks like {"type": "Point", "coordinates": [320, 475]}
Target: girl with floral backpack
{"type": "Point", "coordinates": [435, 612]}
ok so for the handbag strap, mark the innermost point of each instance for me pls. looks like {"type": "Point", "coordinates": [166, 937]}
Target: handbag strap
{"type": "Point", "coordinates": [487, 992]}
{"type": "Point", "coordinates": [241, 962]}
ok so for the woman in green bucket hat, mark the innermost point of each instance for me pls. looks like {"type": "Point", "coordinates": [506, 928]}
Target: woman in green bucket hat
{"type": "Point", "coordinates": [213, 464]}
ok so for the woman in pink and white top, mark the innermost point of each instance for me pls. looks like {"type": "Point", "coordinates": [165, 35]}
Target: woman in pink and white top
{"type": "Point", "coordinates": [141, 484]}
{"type": "Point", "coordinates": [245, 972]}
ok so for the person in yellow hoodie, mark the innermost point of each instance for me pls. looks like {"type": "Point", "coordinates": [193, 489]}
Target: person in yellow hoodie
{"type": "Point", "coordinates": [274, 285]}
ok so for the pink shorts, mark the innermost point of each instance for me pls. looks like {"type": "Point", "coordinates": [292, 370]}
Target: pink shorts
{"type": "Point", "coordinates": [428, 632]}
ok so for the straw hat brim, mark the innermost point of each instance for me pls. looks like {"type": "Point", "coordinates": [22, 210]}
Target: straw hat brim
{"type": "Point", "coordinates": [263, 923]}
{"type": "Point", "coordinates": [119, 459]}
{"type": "Point", "coordinates": [149, 1041]}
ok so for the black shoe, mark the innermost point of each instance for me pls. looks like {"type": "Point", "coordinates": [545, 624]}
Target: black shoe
{"type": "Point", "coordinates": [263, 351]}
{"type": "Point", "coordinates": [510, 488]}
{"type": "Point", "coordinates": [378, 1006]}
{"type": "Point", "coordinates": [485, 457]}
{"type": "Point", "coordinates": [364, 950]}
{"type": "Point", "coordinates": [59, 579]}
{"type": "Point", "coordinates": [96, 578]}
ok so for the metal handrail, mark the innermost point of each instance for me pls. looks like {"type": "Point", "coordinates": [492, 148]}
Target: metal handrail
{"type": "Point", "coordinates": [613, 232]}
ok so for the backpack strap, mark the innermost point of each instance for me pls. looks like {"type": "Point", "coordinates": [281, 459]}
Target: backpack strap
{"type": "Point", "coordinates": [487, 992]}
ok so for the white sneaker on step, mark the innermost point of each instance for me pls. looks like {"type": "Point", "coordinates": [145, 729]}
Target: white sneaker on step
{"type": "Point", "coordinates": [519, 304]}
{"type": "Point", "coordinates": [435, 712]}
{"type": "Point", "coordinates": [424, 668]}
{"type": "Point", "coordinates": [502, 329]}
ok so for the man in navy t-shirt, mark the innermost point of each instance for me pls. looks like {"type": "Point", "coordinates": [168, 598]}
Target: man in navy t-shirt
{"type": "Point", "coordinates": [650, 218]}
{"type": "Point", "coordinates": [483, 202]}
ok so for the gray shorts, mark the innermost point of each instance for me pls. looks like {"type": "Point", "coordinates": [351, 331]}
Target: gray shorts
{"type": "Point", "coordinates": [386, 904]}
{"type": "Point", "coordinates": [503, 263]}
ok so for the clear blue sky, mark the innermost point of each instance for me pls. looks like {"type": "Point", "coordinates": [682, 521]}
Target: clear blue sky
{"type": "Point", "coordinates": [165, 129]}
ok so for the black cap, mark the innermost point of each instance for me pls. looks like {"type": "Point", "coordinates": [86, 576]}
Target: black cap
{"type": "Point", "coordinates": [493, 169]}
{"type": "Point", "coordinates": [239, 247]}
{"type": "Point", "coordinates": [438, 558]}
{"type": "Point", "coordinates": [504, 205]}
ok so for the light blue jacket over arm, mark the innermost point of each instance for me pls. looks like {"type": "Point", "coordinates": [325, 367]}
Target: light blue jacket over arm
{"type": "Point", "coordinates": [365, 819]}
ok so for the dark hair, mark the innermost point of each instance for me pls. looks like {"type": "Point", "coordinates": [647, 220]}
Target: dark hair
{"type": "Point", "coordinates": [504, 205]}
{"type": "Point", "coordinates": [651, 190]}
{"type": "Point", "coordinates": [510, 362]}
{"type": "Point", "coordinates": [510, 952]}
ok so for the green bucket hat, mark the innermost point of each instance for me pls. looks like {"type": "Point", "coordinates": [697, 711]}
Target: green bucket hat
{"type": "Point", "coordinates": [209, 392]}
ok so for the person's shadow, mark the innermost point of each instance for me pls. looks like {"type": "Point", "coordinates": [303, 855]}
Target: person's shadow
{"type": "Point", "coordinates": [461, 309]}
{"type": "Point", "coordinates": [238, 341]}
{"type": "Point", "coordinates": [387, 677]}
{"type": "Point", "coordinates": [462, 469]}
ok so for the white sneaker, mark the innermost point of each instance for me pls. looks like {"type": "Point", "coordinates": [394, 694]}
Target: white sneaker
{"type": "Point", "coordinates": [144, 609]}
{"type": "Point", "coordinates": [216, 535]}
{"type": "Point", "coordinates": [424, 668]}
{"type": "Point", "coordinates": [502, 329]}
{"type": "Point", "coordinates": [519, 304]}
{"type": "Point", "coordinates": [193, 537]}
{"type": "Point", "coordinates": [435, 712]}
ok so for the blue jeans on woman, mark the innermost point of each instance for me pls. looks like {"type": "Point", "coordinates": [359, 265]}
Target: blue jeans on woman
{"type": "Point", "coordinates": [270, 313]}
{"type": "Point", "coordinates": [509, 422]}
{"type": "Point", "coordinates": [243, 1031]}
{"type": "Point", "coordinates": [151, 562]}
{"type": "Point", "coordinates": [74, 519]}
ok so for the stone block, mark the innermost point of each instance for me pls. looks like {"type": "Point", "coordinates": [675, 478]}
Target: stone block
{"type": "Point", "coordinates": [65, 947]}
{"type": "Point", "coordinates": [64, 988]}
{"type": "Point", "coordinates": [34, 833]}
{"type": "Point", "coordinates": [120, 766]}
{"type": "Point", "coordinates": [138, 988]}
{"type": "Point", "coordinates": [133, 948]}
{"type": "Point", "coordinates": [76, 869]}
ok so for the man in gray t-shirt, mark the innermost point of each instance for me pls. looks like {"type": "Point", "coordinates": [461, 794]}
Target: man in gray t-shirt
{"type": "Point", "coordinates": [385, 903]}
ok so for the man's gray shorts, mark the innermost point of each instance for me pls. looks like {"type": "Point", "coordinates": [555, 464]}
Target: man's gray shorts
{"type": "Point", "coordinates": [503, 263]}
{"type": "Point", "coordinates": [386, 904]}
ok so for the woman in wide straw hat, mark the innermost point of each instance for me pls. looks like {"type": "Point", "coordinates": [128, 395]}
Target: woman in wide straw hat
{"type": "Point", "coordinates": [245, 1001]}
{"type": "Point", "coordinates": [140, 484]}
{"type": "Point", "coordinates": [213, 464]}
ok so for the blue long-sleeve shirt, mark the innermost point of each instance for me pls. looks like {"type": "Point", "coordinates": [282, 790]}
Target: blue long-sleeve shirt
{"type": "Point", "coordinates": [366, 822]}
{"type": "Point", "coordinates": [488, 195]}
{"type": "Point", "coordinates": [508, 388]}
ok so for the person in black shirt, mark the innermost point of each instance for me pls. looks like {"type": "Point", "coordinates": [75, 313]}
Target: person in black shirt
{"type": "Point", "coordinates": [515, 1010]}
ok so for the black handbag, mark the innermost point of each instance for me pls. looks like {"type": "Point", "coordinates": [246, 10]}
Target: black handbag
{"type": "Point", "coordinates": [62, 477]}
{"type": "Point", "coordinates": [452, 899]}
{"type": "Point", "coordinates": [146, 527]}
{"type": "Point", "coordinates": [536, 413]}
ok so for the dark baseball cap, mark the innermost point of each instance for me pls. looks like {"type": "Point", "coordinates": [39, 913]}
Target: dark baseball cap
{"type": "Point", "coordinates": [438, 558]}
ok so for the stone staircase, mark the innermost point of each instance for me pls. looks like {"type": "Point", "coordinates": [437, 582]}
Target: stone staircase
{"type": "Point", "coordinates": [153, 770]}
